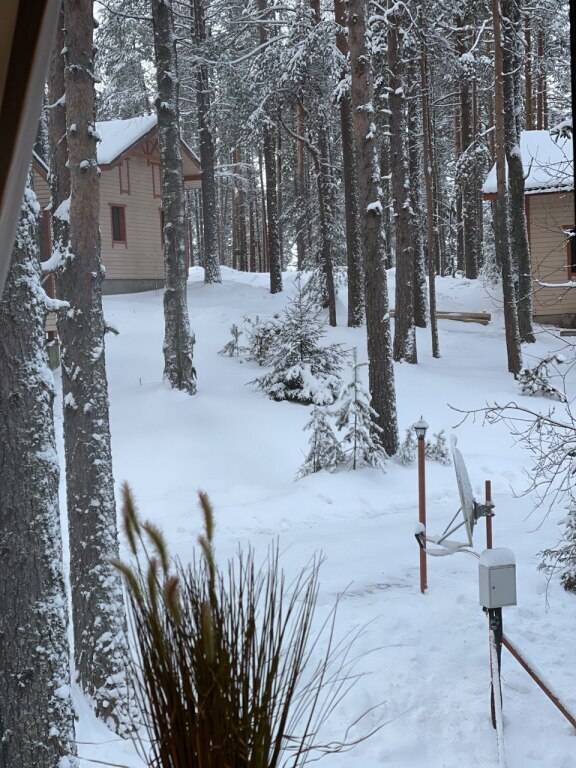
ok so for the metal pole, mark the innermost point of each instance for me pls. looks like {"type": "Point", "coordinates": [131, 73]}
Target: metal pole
{"type": "Point", "coordinates": [422, 511]}
{"type": "Point", "coordinates": [496, 629]}
{"type": "Point", "coordinates": [489, 516]}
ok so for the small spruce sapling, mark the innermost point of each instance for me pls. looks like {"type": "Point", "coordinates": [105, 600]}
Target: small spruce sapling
{"type": "Point", "coordinates": [407, 452]}
{"type": "Point", "coordinates": [437, 449]}
{"type": "Point", "coordinates": [324, 449]}
{"type": "Point", "coordinates": [536, 380]}
{"type": "Point", "coordinates": [562, 559]}
{"type": "Point", "coordinates": [232, 348]}
{"type": "Point", "coordinates": [260, 335]}
{"type": "Point", "coordinates": [302, 370]}
{"type": "Point", "coordinates": [355, 416]}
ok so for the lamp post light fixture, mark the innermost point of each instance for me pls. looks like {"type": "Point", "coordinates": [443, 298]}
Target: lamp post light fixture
{"type": "Point", "coordinates": [420, 428]}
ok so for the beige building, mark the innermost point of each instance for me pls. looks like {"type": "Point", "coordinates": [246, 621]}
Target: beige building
{"type": "Point", "coordinates": [130, 202]}
{"type": "Point", "coordinates": [549, 182]}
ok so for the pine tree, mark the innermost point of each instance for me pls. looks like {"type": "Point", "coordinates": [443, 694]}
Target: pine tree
{"type": "Point", "coordinates": [380, 368]}
{"type": "Point", "coordinates": [232, 348]}
{"type": "Point", "coordinates": [324, 449]}
{"type": "Point", "coordinates": [36, 713]}
{"type": "Point", "coordinates": [261, 335]}
{"type": "Point", "coordinates": [355, 416]}
{"type": "Point", "coordinates": [407, 452]}
{"type": "Point", "coordinates": [178, 342]}
{"type": "Point", "coordinates": [302, 370]}
{"type": "Point", "coordinates": [98, 615]}
{"type": "Point", "coordinates": [124, 41]}
{"type": "Point", "coordinates": [437, 449]}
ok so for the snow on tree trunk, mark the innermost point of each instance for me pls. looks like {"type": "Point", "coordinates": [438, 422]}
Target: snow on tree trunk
{"type": "Point", "coordinates": [350, 183]}
{"type": "Point", "coordinates": [513, 54]}
{"type": "Point", "coordinates": [381, 371]}
{"type": "Point", "coordinates": [415, 176]}
{"type": "Point", "coordinates": [404, 330]}
{"type": "Point", "coordinates": [36, 715]}
{"type": "Point", "coordinates": [207, 153]}
{"type": "Point", "coordinates": [269, 142]}
{"type": "Point", "coordinates": [178, 342]}
{"type": "Point", "coordinates": [98, 614]}
{"type": "Point", "coordinates": [501, 225]}
{"type": "Point", "coordinates": [326, 206]}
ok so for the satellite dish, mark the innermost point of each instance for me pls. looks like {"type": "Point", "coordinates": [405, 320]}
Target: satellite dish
{"type": "Point", "coordinates": [467, 503]}
{"type": "Point", "coordinates": [467, 515]}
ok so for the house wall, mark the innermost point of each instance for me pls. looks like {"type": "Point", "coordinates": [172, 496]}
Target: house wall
{"type": "Point", "coordinates": [549, 215]}
{"type": "Point", "coordinates": [138, 264]}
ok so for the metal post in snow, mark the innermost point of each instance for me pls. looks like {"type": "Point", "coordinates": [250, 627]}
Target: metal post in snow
{"type": "Point", "coordinates": [420, 428]}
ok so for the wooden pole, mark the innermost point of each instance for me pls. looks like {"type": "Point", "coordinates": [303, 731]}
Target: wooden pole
{"type": "Point", "coordinates": [422, 511]}
{"type": "Point", "coordinates": [525, 665]}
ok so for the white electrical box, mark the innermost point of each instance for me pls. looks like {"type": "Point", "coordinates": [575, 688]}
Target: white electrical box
{"type": "Point", "coordinates": [497, 578]}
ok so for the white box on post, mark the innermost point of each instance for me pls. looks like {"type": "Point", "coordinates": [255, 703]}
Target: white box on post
{"type": "Point", "coordinates": [497, 578]}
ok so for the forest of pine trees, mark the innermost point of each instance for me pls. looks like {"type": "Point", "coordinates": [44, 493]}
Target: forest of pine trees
{"type": "Point", "coordinates": [337, 138]}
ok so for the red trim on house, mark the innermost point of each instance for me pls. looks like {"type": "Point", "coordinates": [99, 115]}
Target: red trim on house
{"type": "Point", "coordinates": [124, 176]}
{"type": "Point", "coordinates": [122, 223]}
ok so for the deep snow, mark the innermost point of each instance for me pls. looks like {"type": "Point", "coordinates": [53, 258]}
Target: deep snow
{"type": "Point", "coordinates": [424, 658]}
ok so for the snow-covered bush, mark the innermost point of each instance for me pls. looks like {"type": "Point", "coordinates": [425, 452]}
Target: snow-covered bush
{"type": "Point", "coordinates": [562, 559]}
{"type": "Point", "coordinates": [437, 449]}
{"type": "Point", "coordinates": [406, 453]}
{"type": "Point", "coordinates": [260, 335]}
{"type": "Point", "coordinates": [302, 370]}
{"type": "Point", "coordinates": [536, 380]}
{"type": "Point", "coordinates": [232, 348]}
{"type": "Point", "coordinates": [324, 449]}
{"type": "Point", "coordinates": [355, 416]}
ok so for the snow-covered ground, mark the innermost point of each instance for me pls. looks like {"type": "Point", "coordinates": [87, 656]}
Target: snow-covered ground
{"type": "Point", "coordinates": [424, 658]}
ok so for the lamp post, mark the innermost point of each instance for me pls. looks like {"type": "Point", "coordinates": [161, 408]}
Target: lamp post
{"type": "Point", "coordinates": [420, 428]}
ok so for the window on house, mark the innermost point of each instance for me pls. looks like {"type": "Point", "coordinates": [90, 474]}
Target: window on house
{"type": "Point", "coordinates": [118, 214]}
{"type": "Point", "coordinates": [124, 174]}
{"type": "Point", "coordinates": [571, 245]}
{"type": "Point", "coordinates": [156, 180]}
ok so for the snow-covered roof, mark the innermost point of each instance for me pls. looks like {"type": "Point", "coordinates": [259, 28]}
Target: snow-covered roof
{"type": "Point", "coordinates": [40, 164]}
{"type": "Point", "coordinates": [547, 161]}
{"type": "Point", "coordinates": [119, 135]}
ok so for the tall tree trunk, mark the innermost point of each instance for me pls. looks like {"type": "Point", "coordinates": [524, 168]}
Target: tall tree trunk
{"type": "Point", "coordinates": [529, 103]}
{"type": "Point", "coordinates": [100, 645]}
{"type": "Point", "coordinates": [512, 62]}
{"type": "Point", "coordinates": [404, 329]}
{"type": "Point", "coordinates": [269, 145]}
{"type": "Point", "coordinates": [300, 189]}
{"type": "Point", "coordinates": [431, 235]}
{"type": "Point", "coordinates": [501, 226]}
{"type": "Point", "coordinates": [207, 153]}
{"type": "Point", "coordinates": [327, 205]}
{"type": "Point", "coordinates": [415, 185]}
{"type": "Point", "coordinates": [36, 714]}
{"type": "Point", "coordinates": [178, 343]}
{"type": "Point", "coordinates": [353, 242]}
{"type": "Point", "coordinates": [380, 366]}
